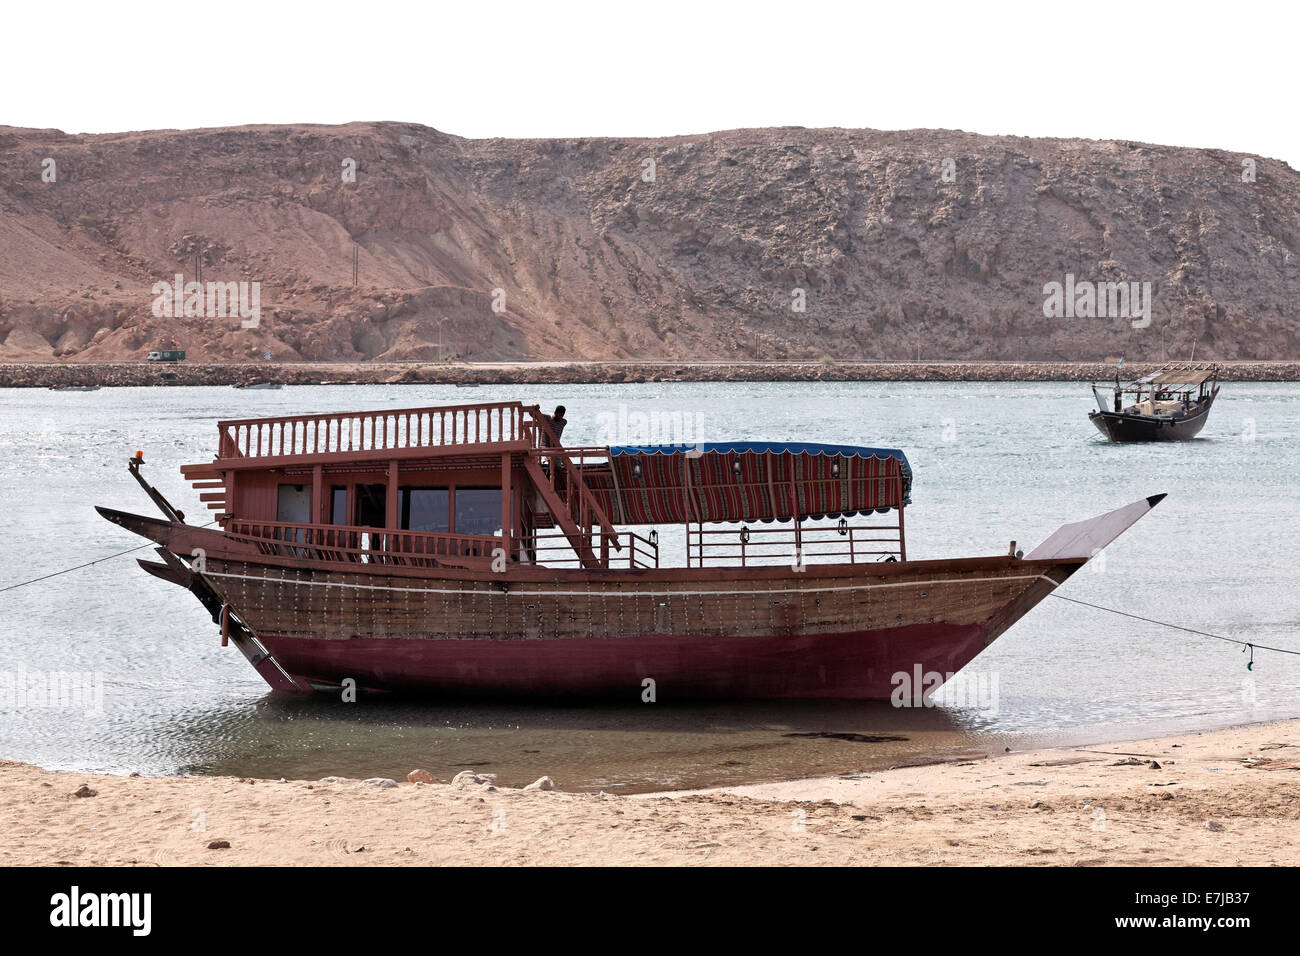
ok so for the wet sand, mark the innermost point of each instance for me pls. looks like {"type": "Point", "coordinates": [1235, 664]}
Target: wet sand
{"type": "Point", "coordinates": [1226, 797]}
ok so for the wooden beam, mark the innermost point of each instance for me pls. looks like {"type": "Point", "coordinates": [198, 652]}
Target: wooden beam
{"type": "Point", "coordinates": [794, 516]}
{"type": "Point", "coordinates": [506, 530]}
{"type": "Point", "coordinates": [520, 530]}
{"type": "Point", "coordinates": [317, 504]}
{"type": "Point", "coordinates": [207, 470]}
{"type": "Point", "coordinates": [489, 451]}
{"type": "Point", "coordinates": [390, 499]}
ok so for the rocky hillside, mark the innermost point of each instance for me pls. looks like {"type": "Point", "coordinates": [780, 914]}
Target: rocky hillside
{"type": "Point", "coordinates": [689, 247]}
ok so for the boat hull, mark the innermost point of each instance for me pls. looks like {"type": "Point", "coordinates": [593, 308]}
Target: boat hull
{"type": "Point", "coordinates": [1145, 428]}
{"type": "Point", "coordinates": [822, 631]}
{"type": "Point", "coordinates": [775, 635]}
{"type": "Point", "coordinates": [851, 665]}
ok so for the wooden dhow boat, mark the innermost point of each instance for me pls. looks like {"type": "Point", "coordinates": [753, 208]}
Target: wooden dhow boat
{"type": "Point", "coordinates": [462, 549]}
{"type": "Point", "coordinates": [1170, 404]}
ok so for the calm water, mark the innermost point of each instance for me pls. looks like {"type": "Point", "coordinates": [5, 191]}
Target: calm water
{"type": "Point", "coordinates": [993, 462]}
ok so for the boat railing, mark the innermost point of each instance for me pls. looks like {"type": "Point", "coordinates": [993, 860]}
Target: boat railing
{"type": "Point", "coordinates": [837, 544]}
{"type": "Point", "coordinates": [343, 543]}
{"type": "Point", "coordinates": [564, 471]}
{"type": "Point", "coordinates": [553, 549]}
{"type": "Point", "coordinates": [388, 429]}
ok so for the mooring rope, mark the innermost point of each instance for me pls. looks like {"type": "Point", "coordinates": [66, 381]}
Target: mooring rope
{"type": "Point", "coordinates": [1190, 630]}
{"type": "Point", "coordinates": [78, 567]}
{"type": "Point", "coordinates": [1244, 645]}
{"type": "Point", "coordinates": [55, 574]}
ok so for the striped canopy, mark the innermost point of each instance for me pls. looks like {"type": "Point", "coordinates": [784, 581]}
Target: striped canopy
{"type": "Point", "coordinates": [748, 481]}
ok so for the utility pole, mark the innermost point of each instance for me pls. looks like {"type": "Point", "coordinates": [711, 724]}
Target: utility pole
{"type": "Point", "coordinates": [441, 353]}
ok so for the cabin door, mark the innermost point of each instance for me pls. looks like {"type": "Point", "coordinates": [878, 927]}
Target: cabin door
{"type": "Point", "coordinates": [372, 506]}
{"type": "Point", "coordinates": [372, 512]}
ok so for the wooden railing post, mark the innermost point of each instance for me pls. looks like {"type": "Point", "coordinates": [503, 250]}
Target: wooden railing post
{"type": "Point", "coordinates": [902, 537]}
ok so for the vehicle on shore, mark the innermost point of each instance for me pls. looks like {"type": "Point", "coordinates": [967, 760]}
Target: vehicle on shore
{"type": "Point", "coordinates": [167, 355]}
{"type": "Point", "coordinates": [463, 549]}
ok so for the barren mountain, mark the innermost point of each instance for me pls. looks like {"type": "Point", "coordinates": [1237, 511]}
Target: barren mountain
{"type": "Point", "coordinates": [902, 244]}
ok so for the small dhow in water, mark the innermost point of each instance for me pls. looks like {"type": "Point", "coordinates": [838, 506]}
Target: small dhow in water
{"type": "Point", "coordinates": [1170, 404]}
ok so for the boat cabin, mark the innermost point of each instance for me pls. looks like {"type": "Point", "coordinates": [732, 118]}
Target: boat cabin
{"type": "Point", "coordinates": [1171, 392]}
{"type": "Point", "coordinates": [490, 486]}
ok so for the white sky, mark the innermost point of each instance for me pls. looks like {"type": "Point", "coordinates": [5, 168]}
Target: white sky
{"type": "Point", "coordinates": [1188, 74]}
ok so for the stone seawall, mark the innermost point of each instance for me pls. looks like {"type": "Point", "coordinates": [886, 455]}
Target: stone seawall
{"type": "Point", "coordinates": [135, 374]}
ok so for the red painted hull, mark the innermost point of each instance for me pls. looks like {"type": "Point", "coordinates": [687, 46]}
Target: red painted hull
{"type": "Point", "coordinates": [831, 631]}
{"type": "Point", "coordinates": [856, 666]}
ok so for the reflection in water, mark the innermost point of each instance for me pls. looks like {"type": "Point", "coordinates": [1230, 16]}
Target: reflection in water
{"type": "Point", "coordinates": [625, 748]}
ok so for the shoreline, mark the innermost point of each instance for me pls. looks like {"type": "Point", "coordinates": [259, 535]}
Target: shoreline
{"type": "Point", "coordinates": [1222, 797]}
{"type": "Point", "coordinates": [138, 374]}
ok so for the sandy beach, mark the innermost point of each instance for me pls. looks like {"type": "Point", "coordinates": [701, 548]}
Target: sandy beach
{"type": "Point", "coordinates": [1224, 797]}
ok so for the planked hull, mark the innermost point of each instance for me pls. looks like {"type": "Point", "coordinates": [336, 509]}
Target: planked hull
{"type": "Point", "coordinates": [1145, 428]}
{"type": "Point", "coordinates": [854, 665]}
{"type": "Point", "coordinates": [779, 635]}
{"type": "Point", "coordinates": [824, 631]}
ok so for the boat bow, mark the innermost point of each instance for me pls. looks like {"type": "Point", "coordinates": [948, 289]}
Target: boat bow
{"type": "Point", "coordinates": [1083, 539]}
{"type": "Point", "coordinates": [1073, 545]}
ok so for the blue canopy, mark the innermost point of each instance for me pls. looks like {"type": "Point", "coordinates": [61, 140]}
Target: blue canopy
{"type": "Point", "coordinates": [763, 447]}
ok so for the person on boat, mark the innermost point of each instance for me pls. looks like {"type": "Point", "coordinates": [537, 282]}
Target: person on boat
{"type": "Point", "coordinates": [557, 421]}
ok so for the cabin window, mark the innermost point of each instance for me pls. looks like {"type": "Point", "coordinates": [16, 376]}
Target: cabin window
{"type": "Point", "coordinates": [423, 509]}
{"type": "Point", "coordinates": [339, 505]}
{"type": "Point", "coordinates": [478, 510]}
{"type": "Point", "coordinates": [293, 504]}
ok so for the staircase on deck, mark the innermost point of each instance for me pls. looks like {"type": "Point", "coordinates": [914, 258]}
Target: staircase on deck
{"type": "Point", "coordinates": [518, 434]}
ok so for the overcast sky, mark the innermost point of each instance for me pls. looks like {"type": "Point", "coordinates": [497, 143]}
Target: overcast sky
{"type": "Point", "coordinates": [1188, 74]}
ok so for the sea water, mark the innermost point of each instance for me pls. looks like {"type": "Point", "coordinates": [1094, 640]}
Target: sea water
{"type": "Point", "coordinates": [155, 692]}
